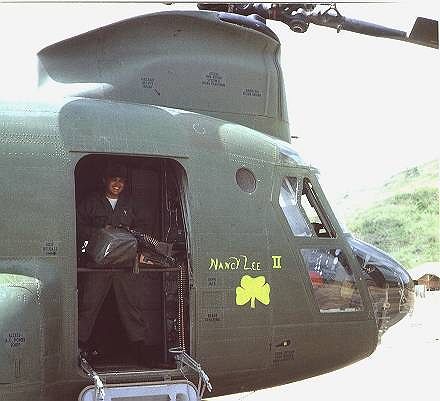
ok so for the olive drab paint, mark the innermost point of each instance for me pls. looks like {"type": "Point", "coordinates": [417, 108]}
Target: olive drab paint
{"type": "Point", "coordinates": [189, 67]}
{"type": "Point", "coordinates": [267, 302]}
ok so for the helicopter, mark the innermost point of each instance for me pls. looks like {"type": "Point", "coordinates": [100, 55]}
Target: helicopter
{"type": "Point", "coordinates": [265, 286]}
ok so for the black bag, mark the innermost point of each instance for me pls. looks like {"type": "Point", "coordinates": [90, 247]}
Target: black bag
{"type": "Point", "coordinates": [112, 246]}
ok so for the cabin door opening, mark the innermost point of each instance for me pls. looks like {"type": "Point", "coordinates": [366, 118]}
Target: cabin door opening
{"type": "Point", "coordinates": [130, 314]}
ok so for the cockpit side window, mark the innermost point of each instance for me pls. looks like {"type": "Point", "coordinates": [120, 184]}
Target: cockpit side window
{"type": "Point", "coordinates": [332, 280]}
{"type": "Point", "coordinates": [315, 212]}
{"type": "Point", "coordinates": [303, 209]}
{"type": "Point", "coordinates": [290, 204]}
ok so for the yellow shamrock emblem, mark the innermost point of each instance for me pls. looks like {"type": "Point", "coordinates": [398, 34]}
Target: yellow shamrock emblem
{"type": "Point", "coordinates": [251, 289]}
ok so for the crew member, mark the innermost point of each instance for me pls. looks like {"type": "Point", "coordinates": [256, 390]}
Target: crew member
{"type": "Point", "coordinates": [111, 207]}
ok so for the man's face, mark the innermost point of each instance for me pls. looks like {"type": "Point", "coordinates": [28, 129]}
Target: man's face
{"type": "Point", "coordinates": [114, 186]}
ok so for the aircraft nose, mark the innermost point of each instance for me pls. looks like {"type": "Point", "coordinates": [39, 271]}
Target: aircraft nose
{"type": "Point", "coordinates": [399, 294]}
{"type": "Point", "coordinates": [389, 284]}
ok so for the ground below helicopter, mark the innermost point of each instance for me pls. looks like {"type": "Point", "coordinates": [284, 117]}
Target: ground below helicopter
{"type": "Point", "coordinates": [404, 366]}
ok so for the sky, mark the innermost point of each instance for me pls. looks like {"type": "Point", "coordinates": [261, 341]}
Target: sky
{"type": "Point", "coordinates": [363, 108]}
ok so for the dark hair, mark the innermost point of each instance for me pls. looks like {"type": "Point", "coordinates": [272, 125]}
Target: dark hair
{"type": "Point", "coordinates": [115, 170]}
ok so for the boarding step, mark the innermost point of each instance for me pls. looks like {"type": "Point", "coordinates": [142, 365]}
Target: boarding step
{"type": "Point", "coordinates": [168, 391]}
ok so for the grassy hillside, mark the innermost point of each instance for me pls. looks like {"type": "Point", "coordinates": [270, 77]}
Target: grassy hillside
{"type": "Point", "coordinates": [401, 217]}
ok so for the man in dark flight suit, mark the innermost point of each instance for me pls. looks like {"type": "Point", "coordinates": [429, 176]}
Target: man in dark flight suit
{"type": "Point", "coordinates": [111, 208]}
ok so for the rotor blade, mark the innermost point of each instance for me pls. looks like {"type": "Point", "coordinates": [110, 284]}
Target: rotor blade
{"type": "Point", "coordinates": [353, 25]}
{"type": "Point", "coordinates": [424, 32]}
{"type": "Point", "coordinates": [213, 6]}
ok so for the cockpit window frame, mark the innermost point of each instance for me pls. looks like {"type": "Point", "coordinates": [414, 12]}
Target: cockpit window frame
{"type": "Point", "coordinates": [297, 243]}
{"type": "Point", "coordinates": [314, 198]}
{"type": "Point", "coordinates": [297, 191]}
{"type": "Point", "coordinates": [315, 201]}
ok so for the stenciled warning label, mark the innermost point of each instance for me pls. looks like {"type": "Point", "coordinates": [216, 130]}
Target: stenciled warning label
{"type": "Point", "coordinates": [14, 339]}
{"type": "Point", "coordinates": [50, 248]}
{"type": "Point", "coordinates": [213, 79]}
{"type": "Point", "coordinates": [252, 92]}
{"type": "Point", "coordinates": [147, 82]}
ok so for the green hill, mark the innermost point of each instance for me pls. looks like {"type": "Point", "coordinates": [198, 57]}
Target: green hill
{"type": "Point", "coordinates": [401, 217]}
